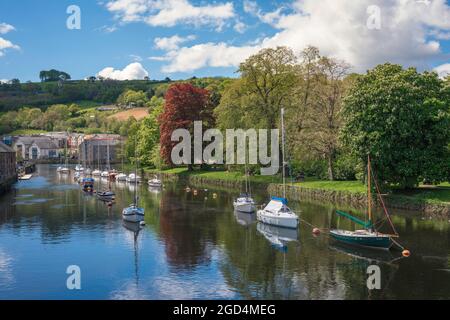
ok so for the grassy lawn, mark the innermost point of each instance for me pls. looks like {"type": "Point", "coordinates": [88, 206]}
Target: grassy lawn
{"type": "Point", "coordinates": [348, 186]}
{"type": "Point", "coordinates": [428, 194]}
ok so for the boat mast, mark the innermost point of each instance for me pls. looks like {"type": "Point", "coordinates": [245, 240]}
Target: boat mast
{"type": "Point", "coordinates": [369, 191]}
{"type": "Point", "coordinates": [135, 175]}
{"type": "Point", "coordinates": [282, 142]}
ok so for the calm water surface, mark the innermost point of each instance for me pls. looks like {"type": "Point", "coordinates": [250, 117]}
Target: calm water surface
{"type": "Point", "coordinates": [196, 247]}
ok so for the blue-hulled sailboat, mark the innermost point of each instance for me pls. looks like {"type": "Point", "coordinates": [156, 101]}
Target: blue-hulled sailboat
{"type": "Point", "coordinates": [368, 237]}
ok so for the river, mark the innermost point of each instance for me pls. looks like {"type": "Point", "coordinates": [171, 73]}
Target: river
{"type": "Point", "coordinates": [194, 246]}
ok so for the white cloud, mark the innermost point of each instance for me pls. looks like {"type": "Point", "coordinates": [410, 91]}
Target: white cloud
{"type": "Point", "coordinates": [240, 27]}
{"type": "Point", "coordinates": [172, 43]}
{"type": "Point", "coordinates": [168, 13]}
{"type": "Point", "coordinates": [4, 81]}
{"type": "Point", "coordinates": [4, 43]}
{"type": "Point", "coordinates": [339, 29]}
{"type": "Point", "coordinates": [134, 71]}
{"type": "Point", "coordinates": [5, 28]}
{"type": "Point", "coordinates": [208, 54]}
{"type": "Point", "coordinates": [443, 70]}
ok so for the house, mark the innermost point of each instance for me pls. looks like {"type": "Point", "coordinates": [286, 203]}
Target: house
{"type": "Point", "coordinates": [43, 149]}
{"type": "Point", "coordinates": [36, 147]}
{"type": "Point", "coordinates": [7, 166]}
{"type": "Point", "coordinates": [95, 149]}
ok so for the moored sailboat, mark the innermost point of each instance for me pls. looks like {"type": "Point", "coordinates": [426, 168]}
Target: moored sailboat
{"type": "Point", "coordinates": [134, 213]}
{"type": "Point", "coordinates": [369, 236]}
{"type": "Point", "coordinates": [277, 212]}
{"type": "Point", "coordinates": [245, 202]}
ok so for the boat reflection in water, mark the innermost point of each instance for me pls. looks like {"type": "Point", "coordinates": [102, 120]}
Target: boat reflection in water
{"type": "Point", "coordinates": [155, 190]}
{"type": "Point", "coordinates": [279, 237]}
{"type": "Point", "coordinates": [244, 219]}
{"type": "Point", "coordinates": [367, 254]}
{"type": "Point", "coordinates": [135, 228]}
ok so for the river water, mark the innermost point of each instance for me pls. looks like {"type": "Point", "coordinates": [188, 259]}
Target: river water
{"type": "Point", "coordinates": [194, 246]}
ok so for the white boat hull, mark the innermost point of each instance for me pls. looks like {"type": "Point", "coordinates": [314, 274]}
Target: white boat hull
{"type": "Point", "coordinates": [244, 207]}
{"type": "Point", "coordinates": [277, 220]}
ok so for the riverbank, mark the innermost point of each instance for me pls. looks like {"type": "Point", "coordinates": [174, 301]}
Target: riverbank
{"type": "Point", "coordinates": [431, 200]}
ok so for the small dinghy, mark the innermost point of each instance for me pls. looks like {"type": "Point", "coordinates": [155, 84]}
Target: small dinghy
{"type": "Point", "coordinates": [106, 195]}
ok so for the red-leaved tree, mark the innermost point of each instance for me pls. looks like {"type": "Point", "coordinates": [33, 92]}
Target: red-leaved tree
{"type": "Point", "coordinates": [184, 104]}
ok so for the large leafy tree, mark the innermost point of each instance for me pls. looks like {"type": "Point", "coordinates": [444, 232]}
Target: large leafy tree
{"type": "Point", "coordinates": [401, 118]}
{"type": "Point", "coordinates": [266, 83]}
{"type": "Point", "coordinates": [184, 104]}
{"type": "Point", "coordinates": [315, 120]}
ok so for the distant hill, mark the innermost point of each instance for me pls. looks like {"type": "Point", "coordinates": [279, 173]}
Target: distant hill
{"type": "Point", "coordinates": [44, 94]}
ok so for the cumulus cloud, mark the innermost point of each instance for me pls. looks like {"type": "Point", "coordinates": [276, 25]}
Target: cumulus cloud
{"type": "Point", "coordinates": [172, 43]}
{"type": "Point", "coordinates": [410, 34]}
{"type": "Point", "coordinates": [4, 43]}
{"type": "Point", "coordinates": [443, 70]}
{"type": "Point", "coordinates": [134, 71]}
{"type": "Point", "coordinates": [168, 13]}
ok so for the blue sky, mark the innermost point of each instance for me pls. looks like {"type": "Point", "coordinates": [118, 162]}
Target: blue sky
{"type": "Point", "coordinates": [182, 38]}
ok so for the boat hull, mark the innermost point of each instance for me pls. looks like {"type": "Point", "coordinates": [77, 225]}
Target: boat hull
{"type": "Point", "coordinates": [133, 215]}
{"type": "Point", "coordinates": [373, 241]}
{"type": "Point", "coordinates": [245, 207]}
{"type": "Point", "coordinates": [275, 220]}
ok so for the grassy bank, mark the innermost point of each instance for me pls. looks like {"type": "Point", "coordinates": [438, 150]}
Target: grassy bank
{"type": "Point", "coordinates": [424, 194]}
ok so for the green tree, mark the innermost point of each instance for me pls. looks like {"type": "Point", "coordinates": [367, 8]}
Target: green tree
{"type": "Point", "coordinates": [133, 98]}
{"type": "Point", "coordinates": [148, 137]}
{"type": "Point", "coordinates": [267, 80]}
{"type": "Point", "coordinates": [401, 118]}
{"type": "Point", "coordinates": [316, 118]}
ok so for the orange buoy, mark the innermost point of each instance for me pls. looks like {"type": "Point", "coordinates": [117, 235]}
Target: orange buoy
{"type": "Point", "coordinates": [406, 253]}
{"type": "Point", "coordinates": [316, 231]}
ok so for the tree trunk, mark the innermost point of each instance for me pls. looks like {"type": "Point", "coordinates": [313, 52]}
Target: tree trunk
{"type": "Point", "coordinates": [330, 168]}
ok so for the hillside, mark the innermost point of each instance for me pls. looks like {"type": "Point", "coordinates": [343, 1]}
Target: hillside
{"type": "Point", "coordinates": [137, 113]}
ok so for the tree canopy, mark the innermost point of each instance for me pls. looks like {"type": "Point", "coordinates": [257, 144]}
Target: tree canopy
{"type": "Point", "coordinates": [401, 118]}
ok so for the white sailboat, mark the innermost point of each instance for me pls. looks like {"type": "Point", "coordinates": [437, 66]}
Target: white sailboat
{"type": "Point", "coordinates": [133, 177]}
{"type": "Point", "coordinates": [105, 173]}
{"type": "Point", "coordinates": [97, 172]}
{"type": "Point", "coordinates": [134, 213]}
{"type": "Point", "coordinates": [277, 212]}
{"type": "Point", "coordinates": [155, 182]}
{"type": "Point", "coordinates": [245, 202]}
{"type": "Point", "coordinates": [65, 169]}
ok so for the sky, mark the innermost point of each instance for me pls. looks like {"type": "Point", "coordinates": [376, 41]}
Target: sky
{"type": "Point", "coordinates": [132, 39]}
